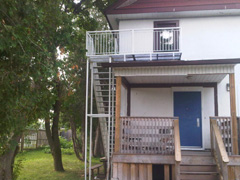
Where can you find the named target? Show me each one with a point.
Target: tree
(30, 33)
(74, 103)
(33, 79)
(24, 69)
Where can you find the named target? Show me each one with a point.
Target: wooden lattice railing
(225, 127)
(148, 135)
(218, 146)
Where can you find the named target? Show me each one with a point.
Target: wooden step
(199, 173)
(197, 160)
(198, 168)
(199, 176)
(197, 153)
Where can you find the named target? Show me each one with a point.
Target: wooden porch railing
(178, 155)
(225, 127)
(149, 135)
(218, 147)
(238, 120)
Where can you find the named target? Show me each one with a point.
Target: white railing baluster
(133, 41)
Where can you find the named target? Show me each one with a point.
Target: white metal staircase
(104, 91)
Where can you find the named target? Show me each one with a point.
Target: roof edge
(113, 5)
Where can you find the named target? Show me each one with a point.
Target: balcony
(135, 44)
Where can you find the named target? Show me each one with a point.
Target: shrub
(47, 150)
(18, 165)
(66, 147)
(67, 151)
(65, 143)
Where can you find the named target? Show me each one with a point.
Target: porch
(146, 143)
(148, 130)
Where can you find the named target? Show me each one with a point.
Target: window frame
(157, 46)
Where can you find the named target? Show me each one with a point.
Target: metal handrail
(90, 32)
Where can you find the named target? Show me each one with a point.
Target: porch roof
(169, 81)
(203, 71)
(172, 63)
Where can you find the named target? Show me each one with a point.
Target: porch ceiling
(175, 70)
(176, 79)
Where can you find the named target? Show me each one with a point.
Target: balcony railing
(148, 135)
(136, 41)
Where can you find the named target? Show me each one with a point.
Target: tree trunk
(76, 143)
(52, 136)
(7, 161)
(83, 137)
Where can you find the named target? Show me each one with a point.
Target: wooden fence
(147, 135)
(33, 139)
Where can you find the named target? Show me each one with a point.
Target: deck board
(145, 159)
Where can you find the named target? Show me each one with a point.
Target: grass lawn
(39, 165)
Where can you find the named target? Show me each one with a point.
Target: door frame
(192, 89)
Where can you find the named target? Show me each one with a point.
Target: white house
(167, 85)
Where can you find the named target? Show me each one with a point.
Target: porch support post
(216, 99)
(177, 170)
(129, 101)
(166, 172)
(117, 116)
(233, 113)
(127, 86)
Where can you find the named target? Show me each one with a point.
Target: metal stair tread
(101, 91)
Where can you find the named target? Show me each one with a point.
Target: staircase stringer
(100, 109)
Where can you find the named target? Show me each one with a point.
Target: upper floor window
(166, 36)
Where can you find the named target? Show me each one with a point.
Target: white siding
(237, 81)
(123, 111)
(223, 98)
(210, 38)
(201, 38)
(208, 111)
(150, 102)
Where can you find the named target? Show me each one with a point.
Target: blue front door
(187, 106)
